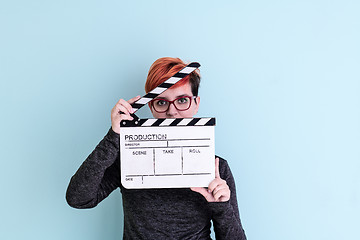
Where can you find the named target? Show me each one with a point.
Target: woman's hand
(218, 190)
(121, 111)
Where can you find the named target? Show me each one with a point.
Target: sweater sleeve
(225, 215)
(98, 175)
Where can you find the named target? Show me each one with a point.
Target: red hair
(164, 68)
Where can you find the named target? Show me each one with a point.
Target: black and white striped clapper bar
(167, 153)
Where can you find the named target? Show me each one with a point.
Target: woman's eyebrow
(161, 98)
(182, 95)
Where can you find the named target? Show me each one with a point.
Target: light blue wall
(282, 78)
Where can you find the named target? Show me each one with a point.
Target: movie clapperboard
(167, 153)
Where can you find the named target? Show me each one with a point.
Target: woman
(160, 213)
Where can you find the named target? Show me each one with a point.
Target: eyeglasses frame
(172, 102)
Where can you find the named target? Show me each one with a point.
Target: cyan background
(281, 77)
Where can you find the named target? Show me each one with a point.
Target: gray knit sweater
(154, 213)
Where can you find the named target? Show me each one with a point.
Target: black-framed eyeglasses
(161, 105)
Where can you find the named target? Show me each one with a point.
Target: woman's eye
(161, 102)
(183, 100)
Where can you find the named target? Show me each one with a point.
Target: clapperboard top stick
(163, 87)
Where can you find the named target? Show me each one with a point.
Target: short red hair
(164, 68)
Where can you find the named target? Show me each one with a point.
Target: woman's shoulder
(222, 161)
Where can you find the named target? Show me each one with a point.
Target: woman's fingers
(126, 106)
(122, 111)
(222, 195)
(215, 183)
(218, 191)
(221, 192)
(134, 99)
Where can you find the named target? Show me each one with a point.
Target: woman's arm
(98, 176)
(225, 215)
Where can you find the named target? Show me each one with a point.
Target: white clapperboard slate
(167, 153)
